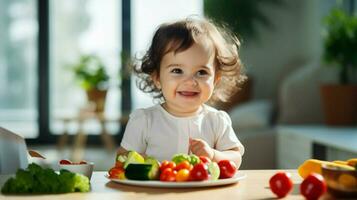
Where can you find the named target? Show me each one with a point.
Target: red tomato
(119, 164)
(168, 175)
(65, 162)
(114, 172)
(313, 186)
(183, 165)
(228, 169)
(167, 164)
(199, 172)
(281, 184)
(205, 159)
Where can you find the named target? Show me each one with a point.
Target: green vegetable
(138, 171)
(121, 158)
(155, 169)
(194, 159)
(133, 157)
(214, 171)
(178, 158)
(81, 183)
(35, 179)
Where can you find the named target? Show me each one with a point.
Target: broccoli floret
(9, 186)
(81, 183)
(35, 179)
(66, 180)
(46, 181)
(23, 181)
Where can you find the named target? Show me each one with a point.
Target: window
(80, 27)
(76, 27)
(18, 67)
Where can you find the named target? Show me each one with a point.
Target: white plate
(161, 184)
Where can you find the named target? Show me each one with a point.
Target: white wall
(293, 40)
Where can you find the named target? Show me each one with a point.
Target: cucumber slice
(214, 171)
(155, 169)
(138, 171)
(133, 157)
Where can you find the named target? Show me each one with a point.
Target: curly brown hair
(181, 35)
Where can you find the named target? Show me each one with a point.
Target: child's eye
(176, 71)
(202, 73)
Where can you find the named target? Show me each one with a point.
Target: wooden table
(255, 186)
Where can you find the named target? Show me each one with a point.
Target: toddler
(189, 63)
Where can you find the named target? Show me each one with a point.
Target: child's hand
(200, 148)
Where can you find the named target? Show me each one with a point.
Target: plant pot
(339, 104)
(97, 97)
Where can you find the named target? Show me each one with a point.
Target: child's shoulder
(213, 112)
(144, 112)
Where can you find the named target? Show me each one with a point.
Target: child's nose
(191, 80)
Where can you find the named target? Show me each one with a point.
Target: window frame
(45, 136)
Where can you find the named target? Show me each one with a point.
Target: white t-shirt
(155, 132)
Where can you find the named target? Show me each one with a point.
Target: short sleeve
(134, 135)
(226, 137)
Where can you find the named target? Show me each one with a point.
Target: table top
(254, 186)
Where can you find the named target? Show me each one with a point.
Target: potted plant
(340, 48)
(90, 72)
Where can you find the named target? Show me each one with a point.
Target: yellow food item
(309, 166)
(347, 180)
(121, 175)
(340, 162)
(352, 162)
(314, 165)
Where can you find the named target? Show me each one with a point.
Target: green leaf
(340, 42)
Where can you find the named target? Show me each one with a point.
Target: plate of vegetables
(183, 171)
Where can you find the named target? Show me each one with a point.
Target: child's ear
(155, 77)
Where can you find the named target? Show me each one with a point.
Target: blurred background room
(66, 87)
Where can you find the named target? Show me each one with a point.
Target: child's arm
(201, 148)
(123, 151)
(232, 154)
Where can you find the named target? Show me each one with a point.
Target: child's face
(187, 79)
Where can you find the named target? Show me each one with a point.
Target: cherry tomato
(119, 164)
(313, 186)
(199, 172)
(205, 159)
(183, 175)
(168, 175)
(183, 165)
(65, 162)
(281, 184)
(115, 172)
(227, 169)
(167, 164)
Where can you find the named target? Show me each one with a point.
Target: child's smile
(188, 94)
